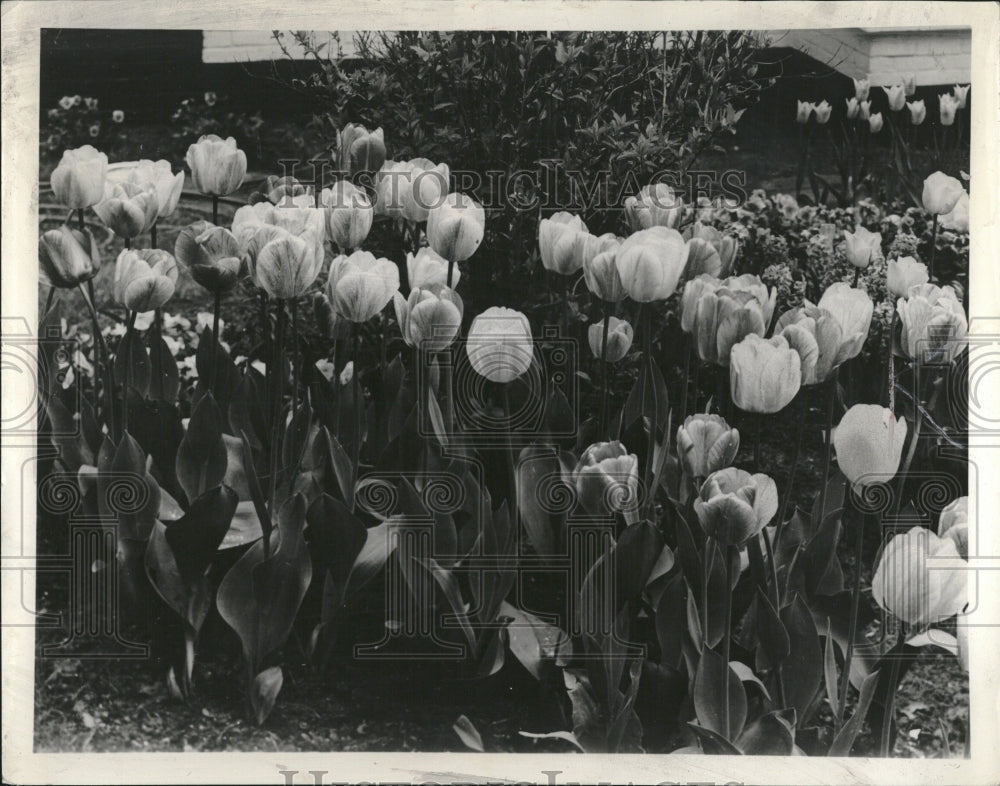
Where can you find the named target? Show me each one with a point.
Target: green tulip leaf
(131, 360)
(201, 458)
(713, 678)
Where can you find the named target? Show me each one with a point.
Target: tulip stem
(791, 478)
(212, 371)
(451, 268)
(128, 370)
(918, 405)
(727, 554)
(831, 401)
(511, 472)
(81, 224)
(358, 403)
(757, 417)
(279, 392)
(708, 559)
(686, 376)
(294, 305)
(152, 233)
(890, 698)
(605, 371)
(215, 210)
(930, 263)
(852, 627)
(128, 242)
(857, 276)
(890, 362)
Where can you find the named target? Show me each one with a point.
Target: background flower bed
(786, 243)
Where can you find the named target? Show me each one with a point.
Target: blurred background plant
(79, 120)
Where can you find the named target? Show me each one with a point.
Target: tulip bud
(217, 165)
(654, 205)
(764, 374)
(78, 180)
(803, 111)
(428, 268)
(286, 265)
(853, 107)
(68, 257)
(920, 579)
(359, 286)
(948, 105)
(934, 324)
(620, 335)
(144, 279)
(721, 313)
(154, 174)
(257, 225)
(941, 193)
(359, 150)
(423, 187)
(726, 246)
(904, 273)
(823, 110)
(861, 246)
(600, 267)
(733, 506)
(861, 88)
(279, 189)
(706, 444)
(561, 240)
(455, 228)
(127, 209)
(897, 97)
(650, 263)
(393, 178)
(958, 219)
(864, 110)
(430, 317)
(212, 255)
(875, 122)
(953, 523)
(817, 337)
(853, 309)
(961, 95)
(349, 215)
(499, 344)
(869, 443)
(918, 111)
(606, 479)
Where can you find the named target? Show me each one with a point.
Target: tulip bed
(684, 499)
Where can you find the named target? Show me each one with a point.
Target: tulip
(428, 268)
(217, 165)
(869, 444)
(853, 309)
(656, 205)
(360, 150)
(958, 219)
(734, 506)
(620, 335)
(875, 122)
(961, 95)
(727, 246)
(256, 225)
(948, 105)
(803, 111)
(941, 193)
(349, 214)
(864, 110)
(918, 111)
(157, 174)
(600, 267)
(934, 323)
(650, 263)
(278, 189)
(920, 579)
(144, 279)
(68, 257)
(910, 85)
(853, 107)
(128, 209)
(861, 88)
(430, 317)
(706, 444)
(718, 314)
(897, 97)
(606, 479)
(455, 228)
(823, 110)
(499, 344)
(422, 188)
(212, 255)
(393, 177)
(359, 286)
(286, 266)
(561, 240)
(816, 335)
(78, 181)
(764, 375)
(904, 273)
(953, 523)
(861, 246)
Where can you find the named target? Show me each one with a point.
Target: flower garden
(676, 473)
